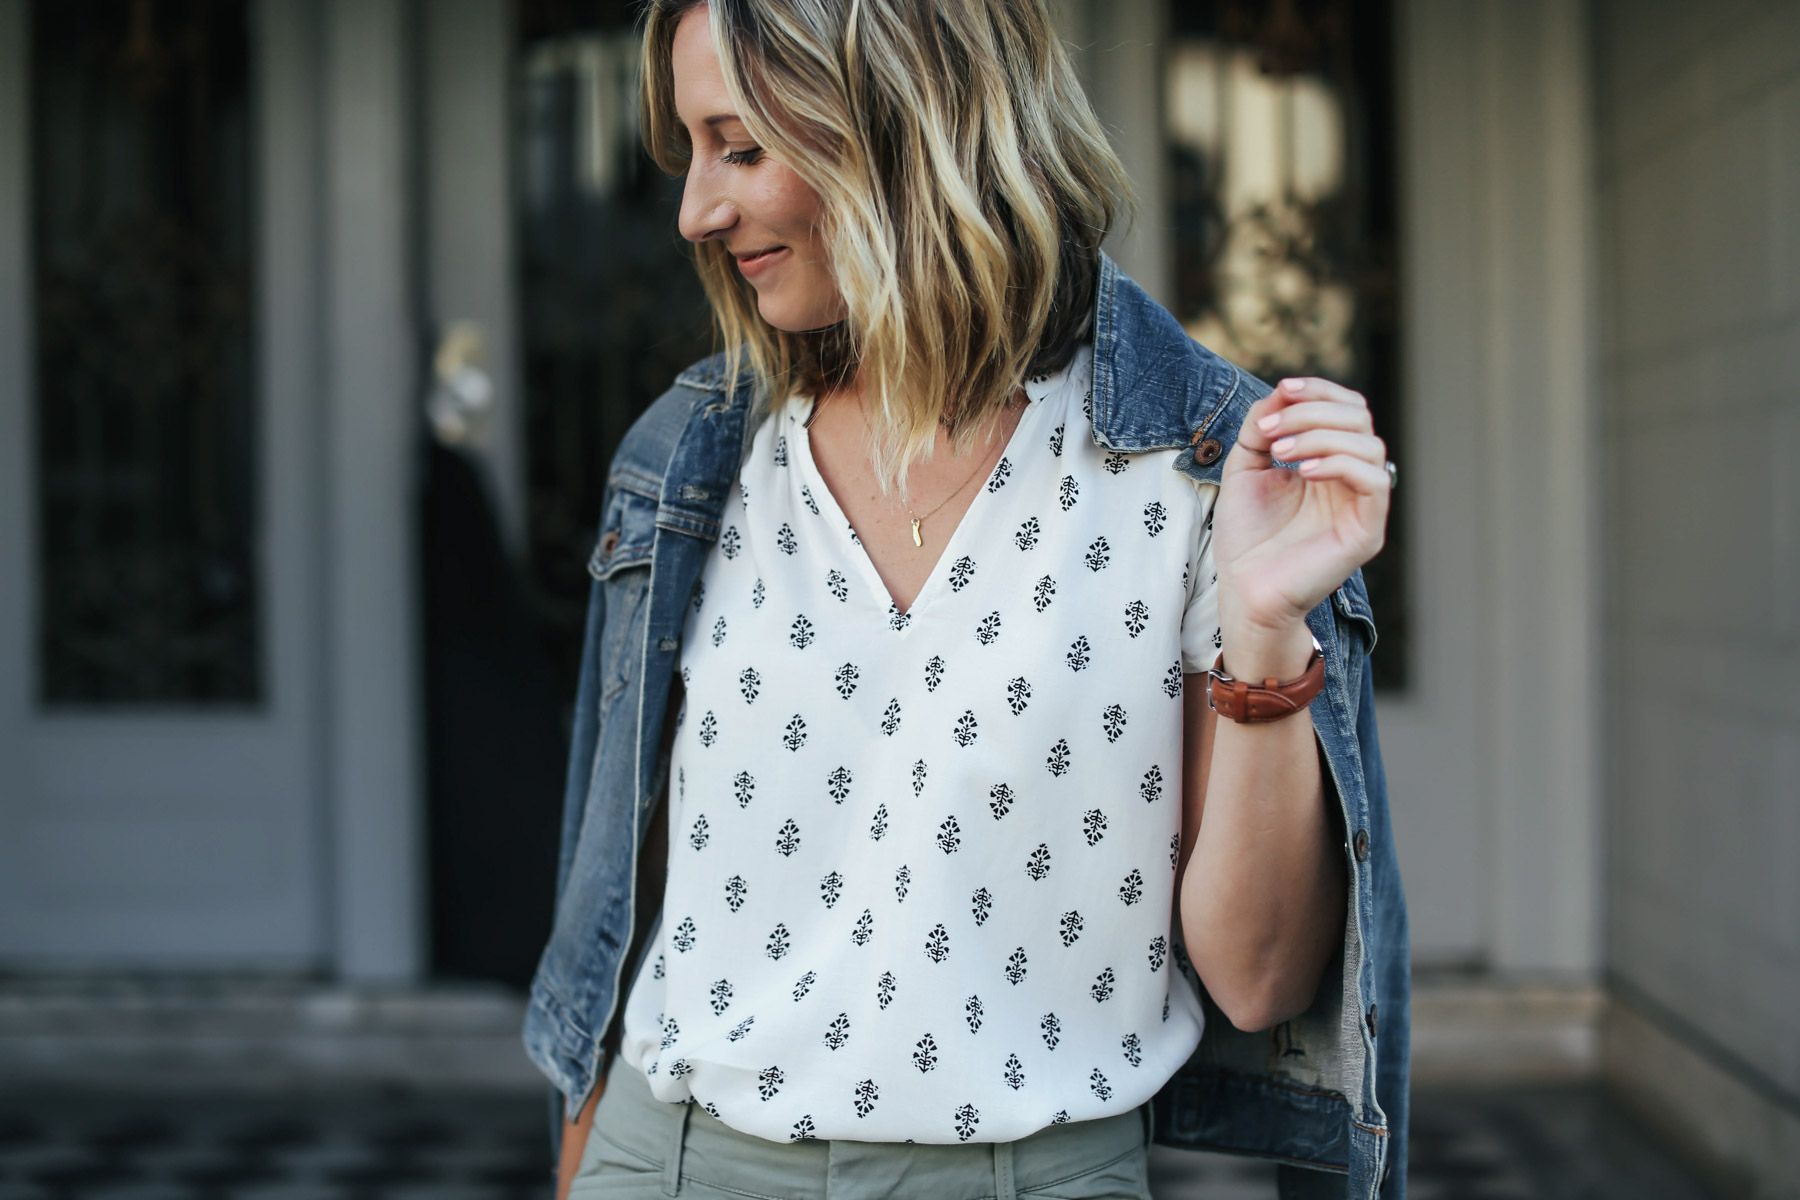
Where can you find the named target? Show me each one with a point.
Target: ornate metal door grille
(1281, 154)
(146, 480)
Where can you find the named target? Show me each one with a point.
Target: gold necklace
(917, 520)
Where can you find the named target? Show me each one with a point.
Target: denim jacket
(1324, 1095)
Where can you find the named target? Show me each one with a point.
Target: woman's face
(736, 194)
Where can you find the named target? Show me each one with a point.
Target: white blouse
(921, 865)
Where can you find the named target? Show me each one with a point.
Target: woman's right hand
(574, 1143)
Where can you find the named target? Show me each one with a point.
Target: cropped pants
(642, 1148)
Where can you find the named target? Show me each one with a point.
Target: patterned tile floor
(1491, 1144)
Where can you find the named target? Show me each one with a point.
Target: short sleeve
(1200, 619)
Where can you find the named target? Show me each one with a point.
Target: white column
(1502, 479)
(370, 402)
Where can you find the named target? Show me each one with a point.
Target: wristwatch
(1271, 700)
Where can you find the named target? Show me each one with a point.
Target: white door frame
(369, 400)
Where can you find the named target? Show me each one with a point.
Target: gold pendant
(917, 540)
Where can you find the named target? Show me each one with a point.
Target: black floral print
(967, 1118)
(981, 904)
(787, 838)
(1103, 985)
(1132, 890)
(1069, 926)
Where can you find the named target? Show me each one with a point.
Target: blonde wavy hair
(965, 187)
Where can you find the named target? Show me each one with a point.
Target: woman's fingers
(1310, 388)
(1316, 443)
(1314, 414)
(1361, 475)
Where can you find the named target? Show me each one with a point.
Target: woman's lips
(754, 264)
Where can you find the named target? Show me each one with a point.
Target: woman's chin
(797, 318)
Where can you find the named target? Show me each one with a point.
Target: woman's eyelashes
(741, 158)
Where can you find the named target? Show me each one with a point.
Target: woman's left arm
(1261, 885)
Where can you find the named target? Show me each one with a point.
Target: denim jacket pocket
(627, 529)
(621, 564)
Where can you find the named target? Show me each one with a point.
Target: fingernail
(1269, 423)
(1311, 464)
(1283, 445)
(1293, 385)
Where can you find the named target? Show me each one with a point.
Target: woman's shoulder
(649, 443)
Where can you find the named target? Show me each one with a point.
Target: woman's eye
(741, 158)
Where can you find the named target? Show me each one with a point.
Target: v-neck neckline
(828, 503)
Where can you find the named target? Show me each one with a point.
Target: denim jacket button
(609, 542)
(1207, 452)
(1361, 845)
(1370, 1017)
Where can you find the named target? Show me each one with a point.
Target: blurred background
(320, 320)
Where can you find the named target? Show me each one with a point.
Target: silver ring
(1393, 475)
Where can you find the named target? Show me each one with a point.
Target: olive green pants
(642, 1148)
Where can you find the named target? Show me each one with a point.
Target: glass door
(159, 755)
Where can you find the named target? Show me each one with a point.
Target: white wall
(1699, 138)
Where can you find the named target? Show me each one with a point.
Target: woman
(962, 866)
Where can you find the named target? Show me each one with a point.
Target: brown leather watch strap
(1254, 704)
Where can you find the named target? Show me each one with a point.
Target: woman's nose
(705, 211)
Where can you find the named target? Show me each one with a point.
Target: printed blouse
(921, 864)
